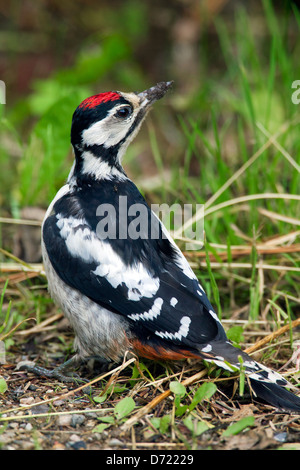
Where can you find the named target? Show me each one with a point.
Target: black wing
(148, 281)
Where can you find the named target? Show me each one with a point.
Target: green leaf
(236, 428)
(101, 427)
(204, 392)
(242, 377)
(196, 426)
(124, 407)
(107, 419)
(177, 388)
(3, 385)
(162, 423)
(235, 334)
(180, 409)
(100, 399)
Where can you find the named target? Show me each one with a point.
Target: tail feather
(265, 383)
(276, 395)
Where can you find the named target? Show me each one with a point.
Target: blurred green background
(53, 54)
(233, 63)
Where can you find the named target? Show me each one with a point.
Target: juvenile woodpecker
(126, 293)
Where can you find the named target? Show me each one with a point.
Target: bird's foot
(60, 373)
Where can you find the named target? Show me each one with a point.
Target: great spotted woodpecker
(123, 293)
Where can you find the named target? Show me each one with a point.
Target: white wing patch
(83, 243)
(182, 332)
(151, 314)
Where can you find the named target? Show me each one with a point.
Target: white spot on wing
(214, 315)
(173, 302)
(182, 332)
(183, 264)
(151, 314)
(207, 348)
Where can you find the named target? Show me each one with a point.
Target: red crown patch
(95, 100)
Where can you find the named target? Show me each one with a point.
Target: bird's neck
(96, 163)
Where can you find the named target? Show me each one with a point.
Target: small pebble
(77, 420)
(58, 446)
(75, 438)
(32, 388)
(115, 442)
(281, 436)
(64, 420)
(79, 445)
(26, 401)
(14, 425)
(58, 402)
(43, 408)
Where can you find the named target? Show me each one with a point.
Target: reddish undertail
(274, 393)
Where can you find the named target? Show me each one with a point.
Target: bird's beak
(154, 93)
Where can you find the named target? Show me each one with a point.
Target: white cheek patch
(109, 131)
(104, 133)
(82, 243)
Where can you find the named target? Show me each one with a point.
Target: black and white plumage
(120, 293)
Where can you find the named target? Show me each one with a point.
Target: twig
(278, 146)
(263, 250)
(53, 413)
(272, 336)
(40, 326)
(19, 267)
(274, 267)
(7, 220)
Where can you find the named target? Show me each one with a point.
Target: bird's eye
(124, 112)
